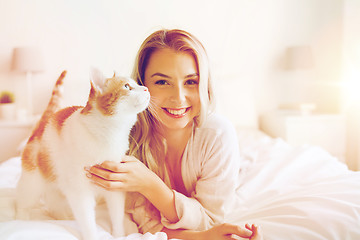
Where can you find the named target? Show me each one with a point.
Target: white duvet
(292, 193)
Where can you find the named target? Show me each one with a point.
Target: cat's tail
(56, 96)
(53, 106)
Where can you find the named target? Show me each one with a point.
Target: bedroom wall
(246, 42)
(351, 79)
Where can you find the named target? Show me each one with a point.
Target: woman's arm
(133, 176)
(219, 232)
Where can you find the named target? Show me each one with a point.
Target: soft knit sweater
(210, 171)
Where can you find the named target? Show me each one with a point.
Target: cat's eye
(127, 86)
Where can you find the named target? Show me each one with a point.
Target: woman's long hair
(145, 142)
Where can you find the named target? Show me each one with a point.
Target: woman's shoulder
(216, 124)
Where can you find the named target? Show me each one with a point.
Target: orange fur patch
(87, 109)
(115, 90)
(45, 167)
(39, 129)
(61, 116)
(40, 161)
(27, 159)
(56, 96)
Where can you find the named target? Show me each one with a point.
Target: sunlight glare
(352, 86)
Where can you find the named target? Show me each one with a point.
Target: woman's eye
(161, 82)
(192, 82)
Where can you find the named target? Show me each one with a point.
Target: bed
(291, 192)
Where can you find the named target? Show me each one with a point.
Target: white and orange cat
(67, 140)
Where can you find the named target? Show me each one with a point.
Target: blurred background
(265, 55)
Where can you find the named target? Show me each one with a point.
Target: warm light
(352, 76)
(352, 86)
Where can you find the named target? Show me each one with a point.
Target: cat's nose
(146, 89)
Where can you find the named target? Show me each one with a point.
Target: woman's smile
(176, 112)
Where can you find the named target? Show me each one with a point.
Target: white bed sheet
(292, 193)
(297, 192)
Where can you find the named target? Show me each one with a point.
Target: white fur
(85, 140)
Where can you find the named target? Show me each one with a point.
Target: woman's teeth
(176, 112)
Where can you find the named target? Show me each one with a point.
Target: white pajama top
(210, 171)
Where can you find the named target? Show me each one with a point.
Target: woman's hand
(230, 231)
(224, 231)
(130, 175)
(256, 232)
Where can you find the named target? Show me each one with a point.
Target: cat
(67, 140)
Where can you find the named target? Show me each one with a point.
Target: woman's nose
(179, 94)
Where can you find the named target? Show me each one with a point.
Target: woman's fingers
(252, 232)
(242, 232)
(117, 167)
(229, 229)
(103, 173)
(257, 235)
(128, 158)
(109, 185)
(103, 177)
(256, 230)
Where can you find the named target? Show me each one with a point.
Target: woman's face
(173, 81)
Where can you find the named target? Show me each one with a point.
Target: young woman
(183, 165)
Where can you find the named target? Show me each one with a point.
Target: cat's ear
(97, 79)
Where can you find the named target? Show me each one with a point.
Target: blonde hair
(145, 144)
